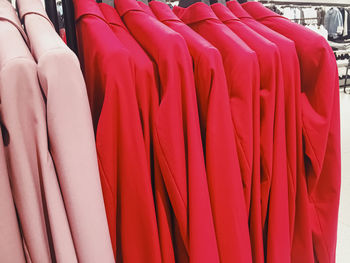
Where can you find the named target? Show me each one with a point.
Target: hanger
(187, 3)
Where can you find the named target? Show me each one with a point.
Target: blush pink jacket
(70, 133)
(35, 190)
(11, 248)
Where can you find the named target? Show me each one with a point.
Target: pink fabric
(11, 248)
(35, 189)
(71, 138)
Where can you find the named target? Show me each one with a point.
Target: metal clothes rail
(308, 2)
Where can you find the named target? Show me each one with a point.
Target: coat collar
(36, 7)
(111, 15)
(237, 9)
(195, 13)
(163, 11)
(223, 13)
(8, 13)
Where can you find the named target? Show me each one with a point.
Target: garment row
(337, 22)
(216, 134)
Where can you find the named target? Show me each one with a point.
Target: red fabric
(146, 86)
(201, 19)
(272, 146)
(145, 73)
(173, 247)
(215, 116)
(178, 144)
(242, 73)
(321, 131)
(109, 73)
(291, 77)
(146, 8)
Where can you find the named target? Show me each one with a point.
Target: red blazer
(272, 125)
(291, 77)
(125, 174)
(241, 80)
(321, 131)
(215, 116)
(178, 144)
(242, 74)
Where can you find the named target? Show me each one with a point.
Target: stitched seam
(18, 27)
(63, 50)
(6, 62)
(91, 15)
(37, 14)
(202, 19)
(117, 25)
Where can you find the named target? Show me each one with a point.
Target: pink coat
(71, 136)
(32, 174)
(11, 248)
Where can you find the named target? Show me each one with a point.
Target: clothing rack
(307, 3)
(69, 19)
(301, 5)
(345, 85)
(308, 18)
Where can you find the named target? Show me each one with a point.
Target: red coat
(241, 80)
(125, 175)
(242, 73)
(291, 80)
(178, 144)
(215, 114)
(271, 126)
(321, 133)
